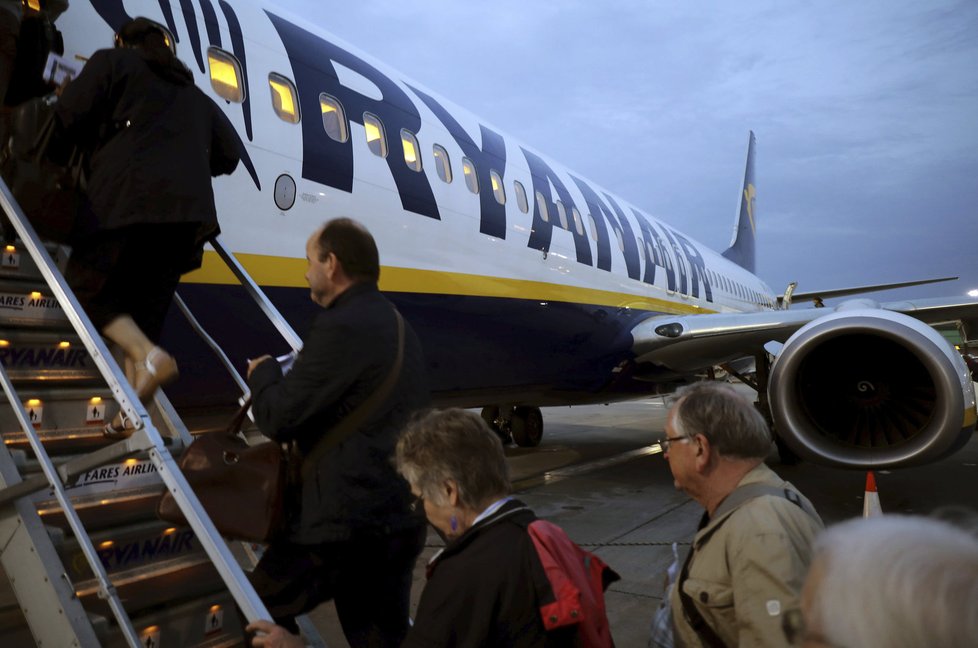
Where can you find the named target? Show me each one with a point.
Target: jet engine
(871, 388)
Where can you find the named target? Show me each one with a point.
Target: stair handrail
(207, 534)
(257, 294)
(260, 298)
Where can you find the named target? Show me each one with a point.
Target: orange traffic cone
(871, 501)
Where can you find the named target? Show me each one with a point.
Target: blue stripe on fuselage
(511, 350)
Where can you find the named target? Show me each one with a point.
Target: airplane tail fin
(741, 250)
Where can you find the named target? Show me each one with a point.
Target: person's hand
(257, 361)
(275, 636)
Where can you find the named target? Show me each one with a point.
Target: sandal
(158, 369)
(121, 427)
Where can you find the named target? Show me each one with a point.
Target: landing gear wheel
(527, 426)
(490, 414)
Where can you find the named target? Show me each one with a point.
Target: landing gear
(490, 414)
(527, 426)
(522, 425)
(763, 368)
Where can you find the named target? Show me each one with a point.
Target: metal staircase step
(162, 582)
(127, 548)
(209, 621)
(54, 408)
(17, 264)
(103, 510)
(46, 357)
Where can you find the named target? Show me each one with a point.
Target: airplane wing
(818, 296)
(688, 343)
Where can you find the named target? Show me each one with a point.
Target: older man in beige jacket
(754, 543)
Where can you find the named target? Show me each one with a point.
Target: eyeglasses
(417, 502)
(665, 443)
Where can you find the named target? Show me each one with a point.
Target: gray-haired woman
(504, 578)
(494, 583)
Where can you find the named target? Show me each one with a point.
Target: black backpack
(46, 177)
(38, 37)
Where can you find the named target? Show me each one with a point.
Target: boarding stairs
(85, 561)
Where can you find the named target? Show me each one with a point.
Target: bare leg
(147, 366)
(127, 334)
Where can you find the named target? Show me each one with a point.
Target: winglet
(741, 250)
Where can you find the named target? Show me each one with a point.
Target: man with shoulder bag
(754, 544)
(353, 536)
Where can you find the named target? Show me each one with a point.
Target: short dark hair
(353, 246)
(724, 416)
(453, 444)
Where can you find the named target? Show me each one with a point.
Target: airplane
(527, 284)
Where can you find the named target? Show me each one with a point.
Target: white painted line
(552, 476)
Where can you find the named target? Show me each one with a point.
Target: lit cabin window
(521, 196)
(497, 187)
(284, 98)
(594, 226)
(621, 241)
(225, 75)
(334, 118)
(468, 170)
(442, 163)
(562, 215)
(542, 206)
(376, 141)
(578, 223)
(410, 144)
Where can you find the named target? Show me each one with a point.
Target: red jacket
(578, 579)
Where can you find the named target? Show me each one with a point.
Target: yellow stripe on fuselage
(286, 272)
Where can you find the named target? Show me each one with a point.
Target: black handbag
(48, 183)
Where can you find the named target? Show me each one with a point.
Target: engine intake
(871, 388)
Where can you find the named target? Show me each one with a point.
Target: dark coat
(346, 355)
(486, 588)
(155, 138)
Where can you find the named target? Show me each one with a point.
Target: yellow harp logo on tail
(749, 194)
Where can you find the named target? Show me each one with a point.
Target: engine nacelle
(870, 388)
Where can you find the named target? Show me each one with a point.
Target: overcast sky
(866, 115)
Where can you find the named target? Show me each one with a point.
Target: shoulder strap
(352, 421)
(739, 496)
(749, 491)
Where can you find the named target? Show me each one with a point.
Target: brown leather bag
(241, 487)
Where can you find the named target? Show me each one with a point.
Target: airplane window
(542, 206)
(651, 251)
(497, 187)
(578, 223)
(621, 241)
(521, 196)
(284, 98)
(562, 215)
(334, 118)
(376, 140)
(410, 144)
(225, 75)
(471, 180)
(594, 227)
(442, 163)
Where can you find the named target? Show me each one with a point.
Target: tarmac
(598, 474)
